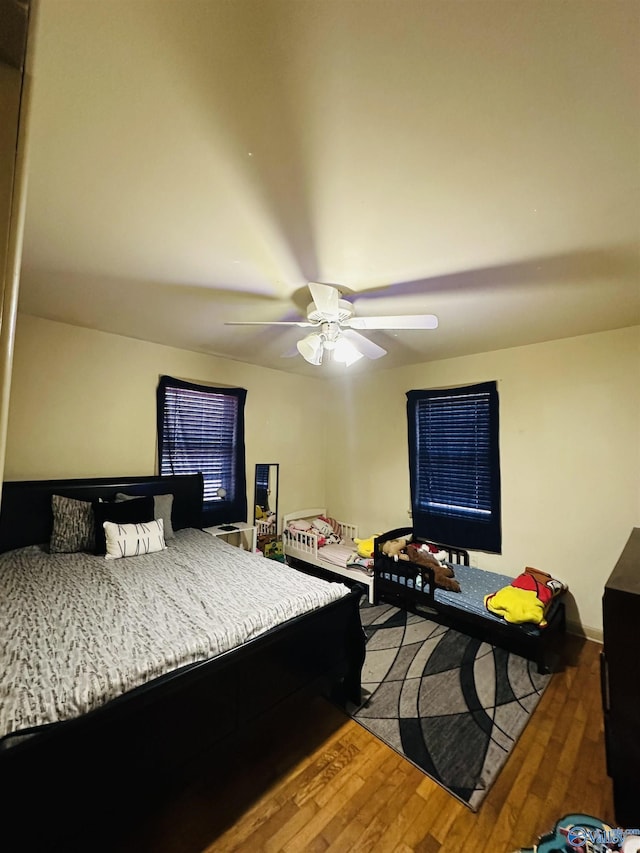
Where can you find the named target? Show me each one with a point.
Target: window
(202, 429)
(454, 465)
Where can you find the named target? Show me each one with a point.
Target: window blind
(201, 429)
(454, 465)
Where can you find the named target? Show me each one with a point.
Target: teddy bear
(395, 548)
(443, 576)
(365, 546)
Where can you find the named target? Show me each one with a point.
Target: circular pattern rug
(451, 704)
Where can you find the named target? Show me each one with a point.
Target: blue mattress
(475, 584)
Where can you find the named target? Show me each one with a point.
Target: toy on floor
(527, 598)
(575, 832)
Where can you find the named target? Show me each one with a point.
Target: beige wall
(570, 454)
(83, 404)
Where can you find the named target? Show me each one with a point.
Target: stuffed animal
(365, 546)
(443, 576)
(395, 548)
(434, 551)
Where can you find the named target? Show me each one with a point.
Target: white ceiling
(196, 161)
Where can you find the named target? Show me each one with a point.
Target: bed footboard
(91, 769)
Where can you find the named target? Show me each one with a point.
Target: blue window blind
(454, 466)
(201, 429)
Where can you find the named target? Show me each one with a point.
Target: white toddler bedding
(339, 555)
(79, 630)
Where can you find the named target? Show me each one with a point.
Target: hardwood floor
(317, 781)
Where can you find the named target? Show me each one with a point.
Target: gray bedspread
(78, 630)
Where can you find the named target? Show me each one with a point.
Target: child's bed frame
(412, 587)
(302, 548)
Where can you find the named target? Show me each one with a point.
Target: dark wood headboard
(26, 517)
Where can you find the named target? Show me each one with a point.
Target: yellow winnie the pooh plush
(365, 546)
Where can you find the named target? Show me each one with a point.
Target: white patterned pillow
(132, 540)
(322, 526)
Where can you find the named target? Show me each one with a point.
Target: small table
(238, 527)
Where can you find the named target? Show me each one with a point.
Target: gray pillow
(73, 525)
(162, 505)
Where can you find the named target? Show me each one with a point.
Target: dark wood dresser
(621, 681)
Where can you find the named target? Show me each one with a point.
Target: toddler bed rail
(306, 542)
(302, 547)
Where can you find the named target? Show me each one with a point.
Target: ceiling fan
(334, 323)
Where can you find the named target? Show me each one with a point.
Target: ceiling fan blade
(326, 299)
(269, 323)
(364, 345)
(402, 321)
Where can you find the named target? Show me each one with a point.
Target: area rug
(581, 832)
(452, 705)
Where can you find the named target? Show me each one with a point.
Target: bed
(412, 588)
(303, 548)
(82, 748)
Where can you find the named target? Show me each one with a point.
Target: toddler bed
(305, 543)
(412, 587)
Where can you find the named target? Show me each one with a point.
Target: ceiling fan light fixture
(310, 348)
(336, 328)
(346, 352)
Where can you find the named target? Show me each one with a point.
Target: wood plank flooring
(317, 781)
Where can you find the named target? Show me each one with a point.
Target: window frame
(451, 518)
(216, 509)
